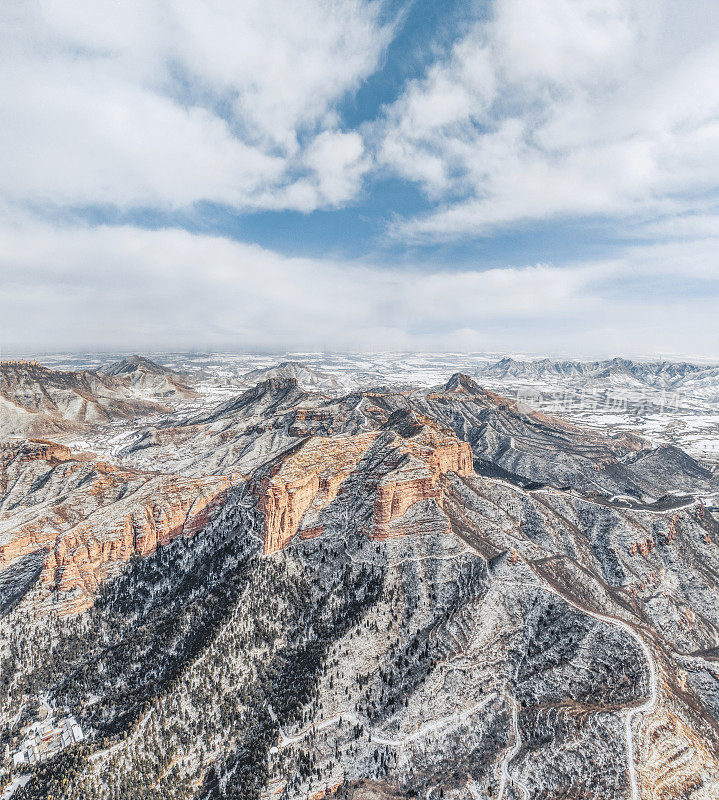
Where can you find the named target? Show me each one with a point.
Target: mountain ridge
(386, 592)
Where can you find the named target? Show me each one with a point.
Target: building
(43, 739)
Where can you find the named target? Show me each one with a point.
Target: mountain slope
(535, 448)
(82, 519)
(643, 379)
(305, 376)
(396, 594)
(38, 400)
(448, 660)
(149, 379)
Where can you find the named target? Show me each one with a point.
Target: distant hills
(692, 378)
(36, 400)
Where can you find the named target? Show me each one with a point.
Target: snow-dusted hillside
(421, 585)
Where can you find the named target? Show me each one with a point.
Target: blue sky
(361, 174)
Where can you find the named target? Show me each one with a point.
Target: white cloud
(121, 287)
(550, 109)
(563, 108)
(335, 164)
(168, 102)
(689, 226)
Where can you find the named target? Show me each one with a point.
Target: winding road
(424, 730)
(629, 714)
(504, 766)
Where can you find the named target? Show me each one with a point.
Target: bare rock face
(309, 477)
(81, 560)
(424, 454)
(409, 467)
(87, 516)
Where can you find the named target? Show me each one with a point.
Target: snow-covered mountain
(692, 379)
(419, 589)
(305, 376)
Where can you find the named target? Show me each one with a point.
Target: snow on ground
(662, 414)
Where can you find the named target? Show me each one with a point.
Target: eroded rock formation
(308, 477)
(409, 465)
(88, 516)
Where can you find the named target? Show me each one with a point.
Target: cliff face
(427, 453)
(309, 477)
(400, 471)
(88, 517)
(408, 485)
(84, 557)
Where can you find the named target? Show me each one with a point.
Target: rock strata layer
(408, 471)
(87, 516)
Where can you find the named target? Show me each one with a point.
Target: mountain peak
(305, 375)
(459, 382)
(136, 363)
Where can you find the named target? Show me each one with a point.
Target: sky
(534, 176)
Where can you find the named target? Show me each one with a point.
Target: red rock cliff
(430, 453)
(308, 479)
(80, 561)
(88, 516)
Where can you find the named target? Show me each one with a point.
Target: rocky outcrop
(84, 557)
(89, 517)
(427, 453)
(22, 451)
(307, 479)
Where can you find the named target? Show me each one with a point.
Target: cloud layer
(139, 289)
(166, 103)
(538, 114)
(563, 108)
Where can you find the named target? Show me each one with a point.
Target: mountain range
(698, 381)
(310, 590)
